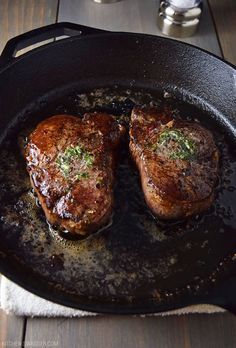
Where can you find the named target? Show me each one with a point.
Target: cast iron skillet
(137, 264)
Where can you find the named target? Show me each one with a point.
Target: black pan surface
(137, 263)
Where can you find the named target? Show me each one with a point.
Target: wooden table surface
(217, 33)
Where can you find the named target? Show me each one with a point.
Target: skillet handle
(41, 34)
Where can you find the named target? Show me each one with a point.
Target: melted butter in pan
(135, 255)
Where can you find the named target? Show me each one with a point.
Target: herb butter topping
(184, 147)
(66, 161)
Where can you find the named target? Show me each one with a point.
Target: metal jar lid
(178, 22)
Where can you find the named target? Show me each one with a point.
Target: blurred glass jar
(179, 18)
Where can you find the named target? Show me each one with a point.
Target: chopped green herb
(89, 159)
(186, 148)
(65, 167)
(83, 175)
(71, 153)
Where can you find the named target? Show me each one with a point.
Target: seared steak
(71, 166)
(177, 161)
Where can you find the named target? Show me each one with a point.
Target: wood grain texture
(224, 14)
(211, 331)
(110, 331)
(190, 331)
(16, 17)
(187, 331)
(133, 16)
(11, 329)
(19, 16)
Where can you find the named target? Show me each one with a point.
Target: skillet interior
(137, 264)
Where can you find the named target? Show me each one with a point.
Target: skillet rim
(82, 36)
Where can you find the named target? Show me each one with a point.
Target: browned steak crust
(71, 166)
(177, 161)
